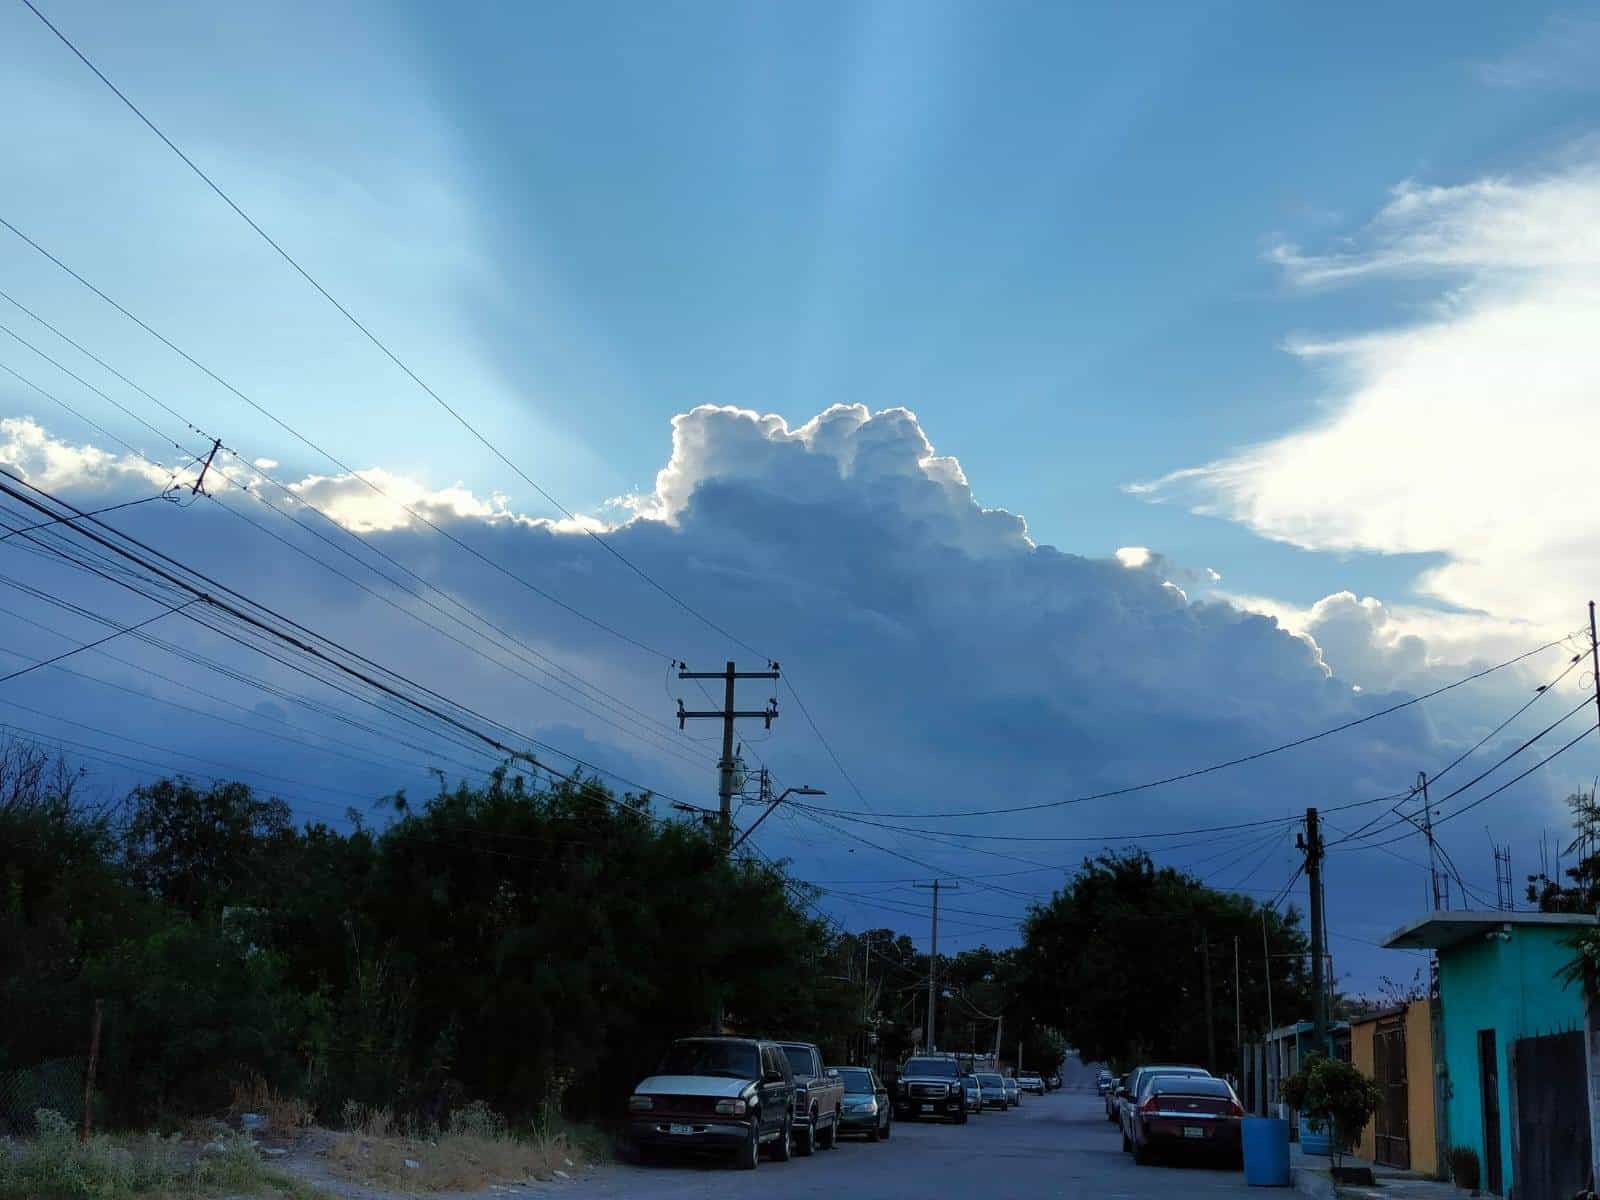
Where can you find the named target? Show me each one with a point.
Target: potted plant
(1333, 1095)
(1464, 1168)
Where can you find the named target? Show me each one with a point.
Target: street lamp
(794, 791)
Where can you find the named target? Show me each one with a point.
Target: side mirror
(772, 1077)
(832, 1072)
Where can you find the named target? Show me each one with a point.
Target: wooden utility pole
(1311, 843)
(200, 479)
(88, 1079)
(1211, 1024)
(933, 955)
(1238, 1012)
(727, 714)
(1594, 657)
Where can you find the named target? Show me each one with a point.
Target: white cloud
(1451, 435)
(31, 452)
(267, 464)
(1133, 556)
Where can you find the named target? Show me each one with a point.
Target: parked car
(866, 1103)
(974, 1092)
(1119, 1085)
(1185, 1114)
(1104, 1082)
(930, 1086)
(1053, 1081)
(717, 1093)
(1013, 1091)
(818, 1100)
(992, 1090)
(1031, 1081)
(1139, 1080)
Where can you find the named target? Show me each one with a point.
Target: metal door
(1391, 1123)
(1552, 1160)
(1489, 1094)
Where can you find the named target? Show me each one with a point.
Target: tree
(1580, 893)
(1114, 961)
(1333, 1095)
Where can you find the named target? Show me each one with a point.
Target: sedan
(866, 1104)
(1013, 1092)
(1031, 1081)
(993, 1090)
(974, 1093)
(1187, 1115)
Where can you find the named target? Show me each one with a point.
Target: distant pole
(1594, 657)
(1238, 1010)
(1266, 966)
(1211, 1024)
(88, 1079)
(1311, 843)
(933, 955)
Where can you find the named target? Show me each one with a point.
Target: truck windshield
(943, 1068)
(736, 1060)
(799, 1059)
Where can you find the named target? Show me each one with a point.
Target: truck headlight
(640, 1103)
(731, 1108)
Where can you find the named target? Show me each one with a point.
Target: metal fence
(56, 1084)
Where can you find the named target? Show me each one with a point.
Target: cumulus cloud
(951, 661)
(31, 452)
(1447, 434)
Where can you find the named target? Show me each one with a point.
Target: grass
(55, 1166)
(285, 1116)
(475, 1150)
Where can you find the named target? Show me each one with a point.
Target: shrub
(1333, 1094)
(1464, 1168)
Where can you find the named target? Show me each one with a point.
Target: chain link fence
(55, 1084)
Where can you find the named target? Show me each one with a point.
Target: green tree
(1114, 961)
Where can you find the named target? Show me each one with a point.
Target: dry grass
(285, 1115)
(475, 1151)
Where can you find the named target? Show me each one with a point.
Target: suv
(931, 1086)
(818, 1098)
(716, 1093)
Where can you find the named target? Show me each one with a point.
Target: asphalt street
(1058, 1145)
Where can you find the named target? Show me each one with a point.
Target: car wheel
(888, 1124)
(749, 1154)
(783, 1148)
(1127, 1146)
(806, 1139)
(961, 1117)
(831, 1140)
(1141, 1154)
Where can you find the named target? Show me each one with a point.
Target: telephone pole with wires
(1594, 657)
(933, 954)
(727, 714)
(1311, 843)
(1438, 881)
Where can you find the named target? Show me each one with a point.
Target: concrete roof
(1441, 930)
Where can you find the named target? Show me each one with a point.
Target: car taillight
(1150, 1106)
(1234, 1109)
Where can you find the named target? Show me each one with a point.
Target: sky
(1067, 397)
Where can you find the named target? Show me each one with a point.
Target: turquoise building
(1512, 1054)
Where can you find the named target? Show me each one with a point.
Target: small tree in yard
(1333, 1095)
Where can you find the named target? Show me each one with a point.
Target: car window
(737, 1060)
(1189, 1085)
(1150, 1079)
(800, 1059)
(931, 1066)
(857, 1079)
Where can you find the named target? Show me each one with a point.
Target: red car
(1188, 1115)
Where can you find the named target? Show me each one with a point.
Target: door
(1489, 1094)
(1391, 1123)
(775, 1094)
(1552, 1159)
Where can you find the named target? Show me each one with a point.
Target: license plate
(1193, 1131)
(927, 1108)
(680, 1128)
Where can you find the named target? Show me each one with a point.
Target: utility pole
(1238, 1012)
(1266, 966)
(727, 714)
(1311, 843)
(1594, 656)
(1211, 1024)
(216, 444)
(1438, 881)
(933, 955)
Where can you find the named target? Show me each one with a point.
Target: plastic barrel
(1266, 1151)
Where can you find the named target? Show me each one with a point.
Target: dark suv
(717, 1093)
(931, 1086)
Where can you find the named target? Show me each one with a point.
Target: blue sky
(1089, 246)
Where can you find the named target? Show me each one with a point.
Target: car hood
(693, 1085)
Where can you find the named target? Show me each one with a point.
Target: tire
(831, 1140)
(962, 1118)
(806, 1139)
(1141, 1154)
(748, 1156)
(875, 1134)
(783, 1148)
(1127, 1146)
(888, 1126)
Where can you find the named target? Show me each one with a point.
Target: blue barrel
(1266, 1151)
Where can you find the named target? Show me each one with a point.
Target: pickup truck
(716, 1093)
(931, 1086)
(818, 1098)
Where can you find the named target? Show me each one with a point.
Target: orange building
(1395, 1048)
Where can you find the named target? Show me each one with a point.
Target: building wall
(1510, 987)
(1419, 1084)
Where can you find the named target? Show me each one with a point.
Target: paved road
(1058, 1145)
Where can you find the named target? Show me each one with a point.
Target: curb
(1313, 1183)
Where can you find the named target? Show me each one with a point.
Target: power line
(382, 346)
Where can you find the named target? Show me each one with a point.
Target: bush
(1332, 1093)
(1464, 1168)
